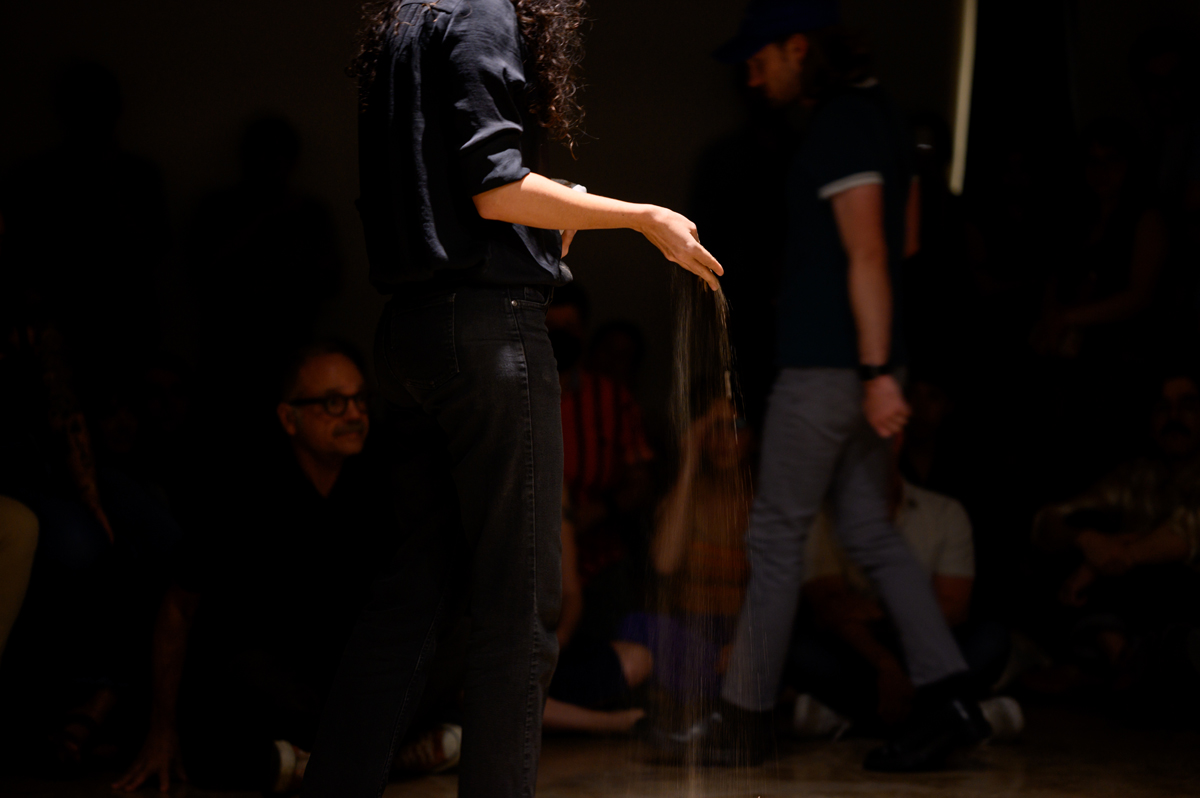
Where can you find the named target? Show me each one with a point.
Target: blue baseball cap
(770, 20)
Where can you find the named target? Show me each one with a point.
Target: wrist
(870, 372)
(643, 217)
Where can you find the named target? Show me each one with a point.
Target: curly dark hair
(552, 31)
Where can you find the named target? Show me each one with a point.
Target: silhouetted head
(1175, 420)
(87, 101)
(270, 150)
(323, 406)
(796, 50)
(567, 319)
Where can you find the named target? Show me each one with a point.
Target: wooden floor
(1062, 754)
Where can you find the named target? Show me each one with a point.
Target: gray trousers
(816, 442)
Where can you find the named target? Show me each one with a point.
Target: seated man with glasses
(274, 573)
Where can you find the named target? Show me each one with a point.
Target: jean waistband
(418, 294)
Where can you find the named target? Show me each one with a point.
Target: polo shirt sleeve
(845, 152)
(486, 77)
(957, 555)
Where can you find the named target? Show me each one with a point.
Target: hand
(160, 754)
(567, 237)
(1106, 554)
(895, 692)
(1072, 592)
(677, 239)
(884, 405)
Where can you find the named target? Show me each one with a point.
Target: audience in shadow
(86, 228)
(263, 262)
(1123, 555)
(275, 567)
(607, 473)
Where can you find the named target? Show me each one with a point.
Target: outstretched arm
(536, 201)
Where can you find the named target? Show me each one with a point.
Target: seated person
(1131, 545)
(1149, 509)
(250, 633)
(100, 539)
(593, 675)
(18, 542)
(606, 470)
(846, 656)
(699, 556)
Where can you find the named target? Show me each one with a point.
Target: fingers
(705, 259)
(705, 274)
(889, 425)
(133, 779)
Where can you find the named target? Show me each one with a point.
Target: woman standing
(463, 233)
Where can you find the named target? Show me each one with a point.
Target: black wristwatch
(868, 373)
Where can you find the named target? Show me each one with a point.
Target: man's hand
(677, 239)
(1107, 554)
(884, 405)
(895, 692)
(160, 754)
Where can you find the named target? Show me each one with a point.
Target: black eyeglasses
(336, 404)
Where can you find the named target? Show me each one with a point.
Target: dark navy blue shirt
(857, 138)
(446, 118)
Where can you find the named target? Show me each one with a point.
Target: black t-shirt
(280, 568)
(444, 119)
(857, 138)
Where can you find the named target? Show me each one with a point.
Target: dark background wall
(193, 73)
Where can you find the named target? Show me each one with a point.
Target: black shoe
(934, 732)
(728, 737)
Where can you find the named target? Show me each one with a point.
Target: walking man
(837, 398)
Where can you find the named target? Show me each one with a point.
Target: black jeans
(472, 378)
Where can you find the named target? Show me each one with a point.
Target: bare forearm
(671, 536)
(536, 201)
(859, 216)
(169, 652)
(1124, 305)
(871, 302)
(1162, 546)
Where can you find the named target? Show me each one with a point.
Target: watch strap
(868, 373)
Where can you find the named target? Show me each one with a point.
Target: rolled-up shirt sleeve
(487, 80)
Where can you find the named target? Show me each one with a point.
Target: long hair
(553, 37)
